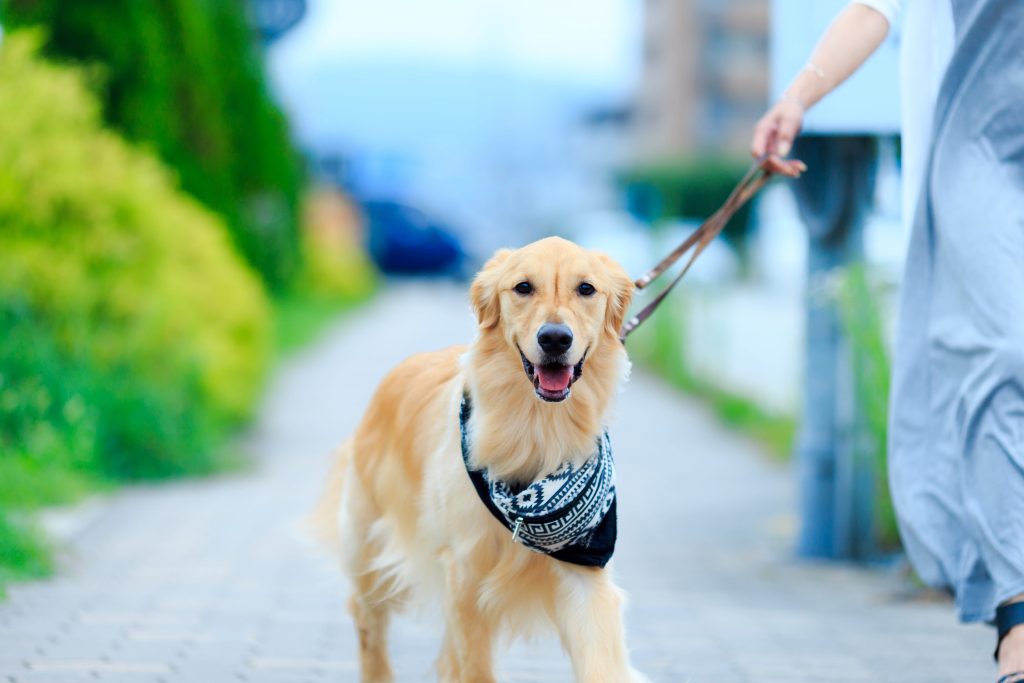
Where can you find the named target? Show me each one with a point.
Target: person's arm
(846, 44)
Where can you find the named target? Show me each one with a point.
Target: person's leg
(978, 356)
(969, 340)
(924, 457)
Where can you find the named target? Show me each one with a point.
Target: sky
(586, 40)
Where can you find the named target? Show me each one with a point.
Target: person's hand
(774, 134)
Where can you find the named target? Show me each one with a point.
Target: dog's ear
(620, 296)
(483, 293)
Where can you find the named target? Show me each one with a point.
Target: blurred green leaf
(186, 79)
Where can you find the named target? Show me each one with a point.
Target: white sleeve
(892, 10)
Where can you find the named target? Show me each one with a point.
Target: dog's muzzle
(552, 380)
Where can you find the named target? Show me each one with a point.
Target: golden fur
(400, 507)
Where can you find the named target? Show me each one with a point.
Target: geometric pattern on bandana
(556, 511)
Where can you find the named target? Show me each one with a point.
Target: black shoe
(1008, 616)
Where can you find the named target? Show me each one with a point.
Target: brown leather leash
(755, 178)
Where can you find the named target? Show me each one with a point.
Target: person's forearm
(847, 43)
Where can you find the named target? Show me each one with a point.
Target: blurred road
(212, 581)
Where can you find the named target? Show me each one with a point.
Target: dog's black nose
(554, 339)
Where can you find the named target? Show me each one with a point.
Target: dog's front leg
(588, 614)
(467, 649)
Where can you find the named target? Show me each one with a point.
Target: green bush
(186, 78)
(133, 333)
(48, 424)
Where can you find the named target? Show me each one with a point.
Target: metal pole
(833, 199)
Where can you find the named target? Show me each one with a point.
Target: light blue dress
(957, 404)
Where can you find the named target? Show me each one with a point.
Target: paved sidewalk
(213, 582)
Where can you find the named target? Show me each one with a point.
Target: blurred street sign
(867, 103)
(274, 18)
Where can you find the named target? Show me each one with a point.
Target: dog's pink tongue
(554, 379)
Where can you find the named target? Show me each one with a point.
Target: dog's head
(553, 304)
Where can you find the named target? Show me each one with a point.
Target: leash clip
(515, 529)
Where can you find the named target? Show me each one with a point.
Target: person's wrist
(788, 98)
(806, 89)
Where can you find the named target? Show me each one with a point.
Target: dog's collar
(569, 514)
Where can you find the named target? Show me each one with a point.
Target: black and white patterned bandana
(569, 514)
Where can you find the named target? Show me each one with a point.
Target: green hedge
(185, 77)
(133, 334)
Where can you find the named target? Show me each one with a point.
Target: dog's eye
(523, 288)
(586, 289)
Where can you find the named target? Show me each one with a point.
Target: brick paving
(213, 581)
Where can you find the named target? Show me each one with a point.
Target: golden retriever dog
(400, 507)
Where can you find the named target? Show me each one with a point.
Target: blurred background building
(704, 78)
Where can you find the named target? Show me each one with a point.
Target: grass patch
(776, 432)
(300, 319)
(660, 346)
(23, 552)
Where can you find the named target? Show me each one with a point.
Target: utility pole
(836, 495)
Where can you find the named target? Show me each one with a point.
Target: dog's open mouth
(552, 381)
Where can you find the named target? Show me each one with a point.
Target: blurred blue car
(405, 241)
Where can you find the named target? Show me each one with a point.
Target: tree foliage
(185, 77)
